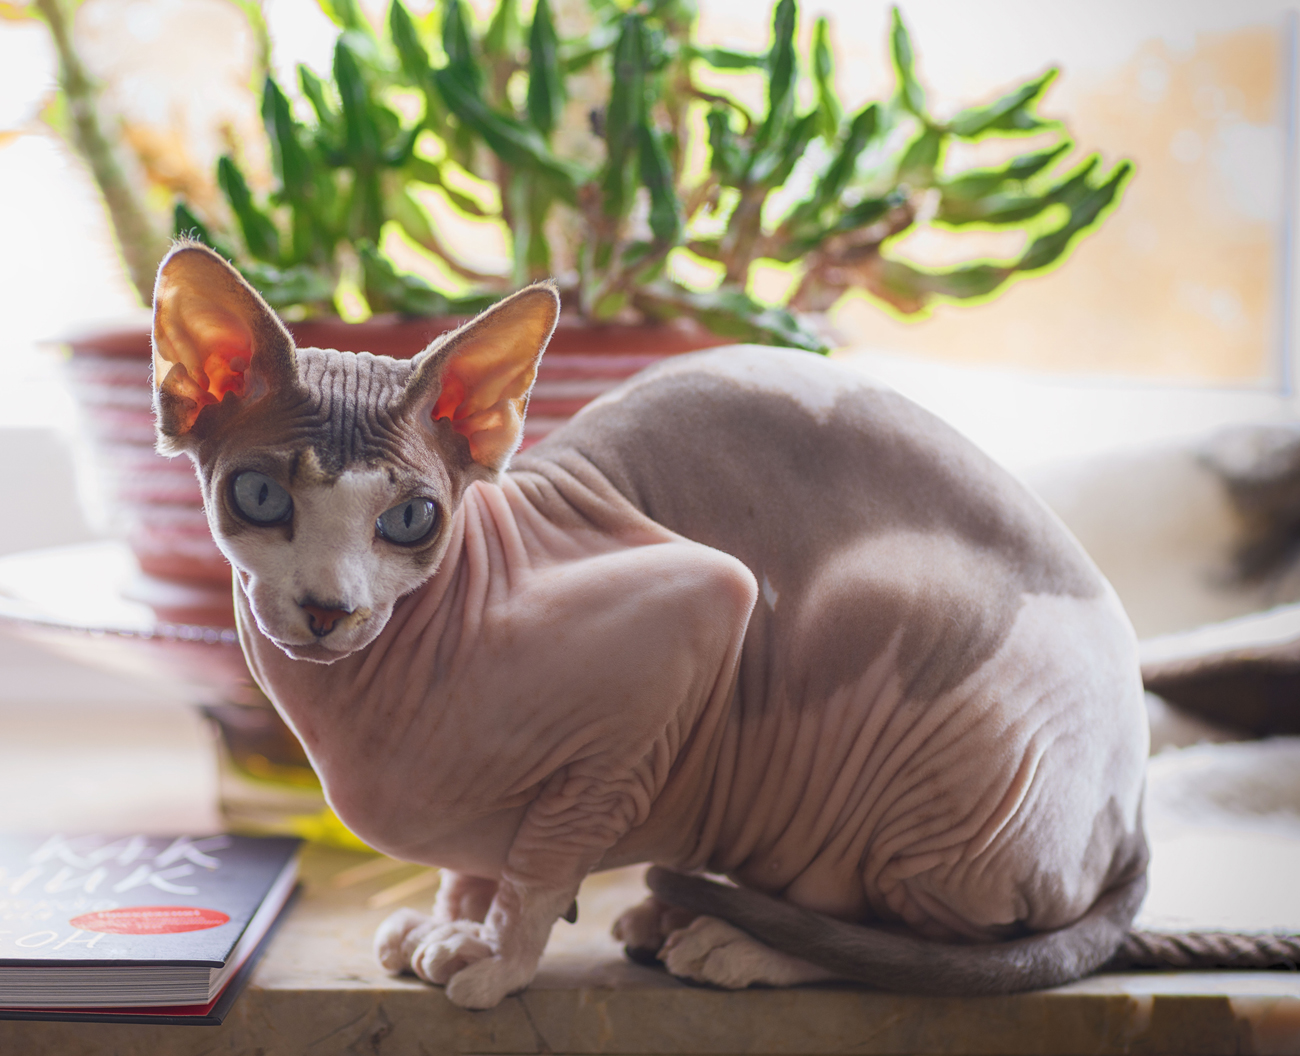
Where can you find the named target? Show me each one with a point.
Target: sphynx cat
(748, 614)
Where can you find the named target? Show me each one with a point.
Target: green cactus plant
(479, 113)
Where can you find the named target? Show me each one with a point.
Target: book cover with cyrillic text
(129, 921)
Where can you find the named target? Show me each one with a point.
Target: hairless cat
(749, 614)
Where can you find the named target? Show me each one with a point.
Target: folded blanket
(1243, 674)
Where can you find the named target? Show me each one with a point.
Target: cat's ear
(212, 335)
(478, 377)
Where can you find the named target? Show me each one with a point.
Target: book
(211, 1014)
(123, 927)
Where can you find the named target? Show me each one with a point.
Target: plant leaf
(731, 313)
(823, 69)
(538, 205)
(909, 288)
(862, 214)
(727, 59)
(1019, 122)
(530, 200)
(708, 248)
(402, 148)
(910, 92)
(726, 157)
(623, 115)
(425, 171)
(186, 225)
(365, 215)
(260, 235)
(513, 142)
(360, 135)
(365, 46)
(411, 52)
(504, 35)
(1010, 208)
(314, 89)
(304, 186)
(666, 222)
(782, 70)
(862, 129)
(288, 158)
(993, 209)
(977, 183)
(773, 167)
(1087, 206)
(343, 13)
(868, 211)
(545, 85)
(921, 159)
(388, 290)
(406, 211)
(1001, 115)
(289, 287)
(361, 128)
(458, 46)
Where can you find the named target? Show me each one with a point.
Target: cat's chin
(315, 652)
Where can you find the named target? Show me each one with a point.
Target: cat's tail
(908, 964)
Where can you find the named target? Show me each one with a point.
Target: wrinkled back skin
(785, 482)
(748, 613)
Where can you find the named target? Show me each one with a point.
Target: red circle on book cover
(150, 920)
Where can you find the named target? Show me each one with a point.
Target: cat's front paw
(460, 955)
(432, 949)
(397, 937)
(711, 951)
(446, 949)
(486, 983)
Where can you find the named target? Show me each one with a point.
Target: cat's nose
(322, 618)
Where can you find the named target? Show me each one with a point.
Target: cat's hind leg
(643, 928)
(712, 951)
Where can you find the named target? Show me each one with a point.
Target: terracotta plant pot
(154, 502)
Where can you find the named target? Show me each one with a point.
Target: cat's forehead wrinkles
(347, 413)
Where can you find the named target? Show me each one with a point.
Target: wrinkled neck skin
(536, 659)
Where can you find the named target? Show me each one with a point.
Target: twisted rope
(1205, 949)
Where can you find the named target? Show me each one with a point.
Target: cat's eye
(261, 499)
(408, 523)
